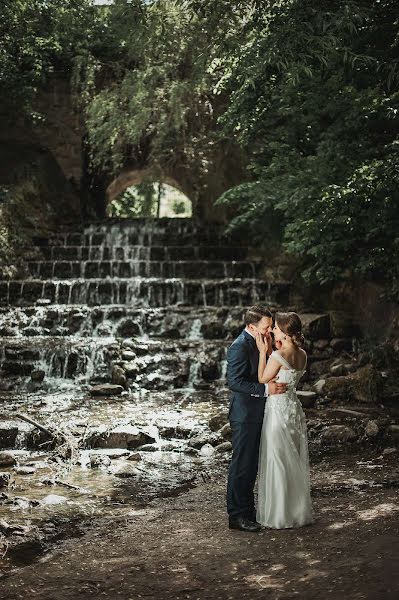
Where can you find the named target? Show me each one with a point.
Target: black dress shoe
(243, 524)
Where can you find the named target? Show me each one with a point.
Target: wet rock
(307, 399)
(4, 479)
(388, 452)
(319, 368)
(342, 324)
(224, 447)
(338, 388)
(124, 436)
(171, 327)
(126, 471)
(106, 389)
(128, 328)
(341, 344)
(372, 429)
(99, 460)
(131, 369)
(393, 431)
(7, 459)
(37, 375)
(207, 450)
(319, 386)
(233, 326)
(337, 370)
(213, 329)
(8, 434)
(316, 326)
(363, 386)
(54, 499)
(135, 456)
(225, 431)
(199, 440)
(118, 376)
(25, 470)
(337, 434)
(218, 421)
(367, 384)
(321, 344)
(8, 529)
(210, 369)
(8, 331)
(128, 355)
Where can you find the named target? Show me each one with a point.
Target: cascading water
(140, 280)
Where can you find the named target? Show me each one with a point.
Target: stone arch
(130, 177)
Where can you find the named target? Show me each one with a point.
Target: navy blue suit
(246, 417)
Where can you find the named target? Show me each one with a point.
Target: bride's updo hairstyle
(291, 325)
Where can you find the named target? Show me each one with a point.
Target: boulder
(365, 386)
(207, 450)
(341, 344)
(7, 459)
(337, 434)
(25, 470)
(213, 329)
(4, 479)
(225, 431)
(118, 376)
(342, 324)
(131, 369)
(319, 368)
(319, 386)
(37, 375)
(321, 344)
(124, 436)
(128, 328)
(8, 434)
(209, 369)
(218, 420)
(106, 389)
(338, 370)
(197, 441)
(128, 355)
(393, 431)
(126, 470)
(338, 388)
(307, 399)
(224, 447)
(316, 326)
(372, 429)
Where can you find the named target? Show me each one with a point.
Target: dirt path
(181, 548)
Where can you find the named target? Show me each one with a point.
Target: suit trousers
(243, 469)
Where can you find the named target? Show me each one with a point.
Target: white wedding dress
(283, 474)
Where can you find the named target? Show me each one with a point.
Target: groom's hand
(277, 388)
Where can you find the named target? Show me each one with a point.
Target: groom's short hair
(255, 313)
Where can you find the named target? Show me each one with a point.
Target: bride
(283, 476)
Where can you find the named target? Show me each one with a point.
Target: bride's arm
(269, 370)
(266, 370)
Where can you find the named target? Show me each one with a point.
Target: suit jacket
(248, 395)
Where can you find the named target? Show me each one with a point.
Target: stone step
(137, 237)
(122, 321)
(126, 253)
(176, 363)
(145, 292)
(129, 269)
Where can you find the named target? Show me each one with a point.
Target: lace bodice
(288, 374)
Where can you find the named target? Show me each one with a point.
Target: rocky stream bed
(114, 404)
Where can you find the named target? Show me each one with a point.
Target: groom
(246, 416)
